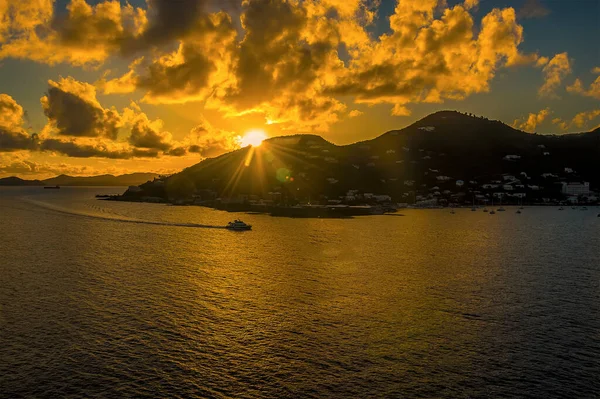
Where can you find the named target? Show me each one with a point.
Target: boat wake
(122, 219)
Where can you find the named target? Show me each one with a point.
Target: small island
(447, 159)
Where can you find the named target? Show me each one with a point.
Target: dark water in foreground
(105, 299)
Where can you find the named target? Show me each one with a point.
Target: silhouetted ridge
(437, 151)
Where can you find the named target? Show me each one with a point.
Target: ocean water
(111, 300)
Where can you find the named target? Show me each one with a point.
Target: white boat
(238, 225)
(501, 209)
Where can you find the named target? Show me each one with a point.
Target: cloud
(85, 34)
(12, 135)
(354, 113)
(208, 141)
(533, 9)
(594, 89)
(542, 61)
(580, 120)
(283, 60)
(428, 60)
(146, 134)
(290, 71)
(77, 149)
(560, 123)
(554, 72)
(170, 21)
(22, 165)
(73, 110)
(79, 126)
(468, 4)
(532, 121)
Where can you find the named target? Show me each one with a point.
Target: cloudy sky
(109, 86)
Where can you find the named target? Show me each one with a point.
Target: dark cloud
(189, 72)
(533, 9)
(273, 43)
(78, 150)
(192, 74)
(12, 135)
(84, 26)
(145, 136)
(177, 152)
(72, 108)
(195, 148)
(16, 141)
(170, 20)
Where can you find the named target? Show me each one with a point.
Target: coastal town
(447, 159)
(448, 192)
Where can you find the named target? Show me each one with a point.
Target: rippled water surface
(110, 299)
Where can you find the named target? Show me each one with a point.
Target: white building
(576, 188)
(382, 198)
(549, 175)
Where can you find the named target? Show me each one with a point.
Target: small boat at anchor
(238, 225)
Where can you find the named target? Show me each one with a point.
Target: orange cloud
(554, 72)
(532, 121)
(592, 91)
(12, 135)
(580, 120)
(560, 123)
(428, 60)
(289, 69)
(22, 164)
(85, 34)
(208, 141)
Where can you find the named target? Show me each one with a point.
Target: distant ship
(238, 225)
(52, 187)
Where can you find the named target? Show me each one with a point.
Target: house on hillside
(579, 188)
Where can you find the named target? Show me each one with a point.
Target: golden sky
(108, 86)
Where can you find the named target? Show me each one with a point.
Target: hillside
(132, 179)
(16, 181)
(434, 155)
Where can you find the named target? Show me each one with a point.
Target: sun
(254, 138)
